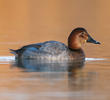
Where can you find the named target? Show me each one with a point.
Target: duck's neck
(73, 42)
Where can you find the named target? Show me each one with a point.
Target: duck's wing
(53, 47)
(48, 47)
(22, 49)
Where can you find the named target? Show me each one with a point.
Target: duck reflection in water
(57, 71)
(43, 66)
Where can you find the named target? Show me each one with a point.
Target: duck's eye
(82, 33)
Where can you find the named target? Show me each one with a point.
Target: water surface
(28, 80)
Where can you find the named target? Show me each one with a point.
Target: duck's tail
(13, 51)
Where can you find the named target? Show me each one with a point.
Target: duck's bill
(91, 40)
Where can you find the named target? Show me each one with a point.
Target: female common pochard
(54, 50)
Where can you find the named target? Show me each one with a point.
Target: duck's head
(78, 37)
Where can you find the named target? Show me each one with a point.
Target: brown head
(78, 37)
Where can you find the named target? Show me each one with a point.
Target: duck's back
(48, 49)
(53, 47)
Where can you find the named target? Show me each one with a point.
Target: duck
(55, 50)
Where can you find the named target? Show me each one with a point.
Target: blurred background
(30, 21)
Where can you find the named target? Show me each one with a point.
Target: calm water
(28, 79)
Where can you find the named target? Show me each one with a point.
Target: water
(28, 80)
